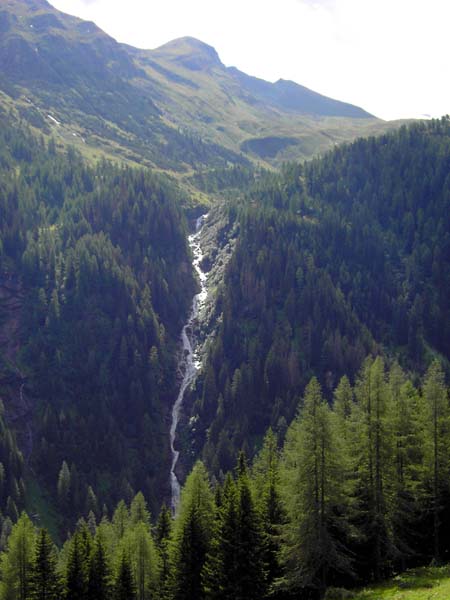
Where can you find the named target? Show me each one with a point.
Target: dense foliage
(359, 490)
(336, 259)
(100, 259)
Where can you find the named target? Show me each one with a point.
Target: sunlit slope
(176, 108)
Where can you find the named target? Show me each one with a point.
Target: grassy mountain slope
(174, 108)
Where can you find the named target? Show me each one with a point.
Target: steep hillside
(176, 108)
(335, 259)
(95, 281)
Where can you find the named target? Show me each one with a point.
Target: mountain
(175, 108)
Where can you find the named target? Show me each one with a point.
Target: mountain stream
(189, 362)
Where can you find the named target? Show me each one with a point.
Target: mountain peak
(190, 53)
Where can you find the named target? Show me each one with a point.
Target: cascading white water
(189, 363)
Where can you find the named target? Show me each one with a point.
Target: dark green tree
(192, 536)
(45, 583)
(99, 575)
(124, 586)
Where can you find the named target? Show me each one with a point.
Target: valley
(189, 363)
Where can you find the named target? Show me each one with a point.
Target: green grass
(430, 583)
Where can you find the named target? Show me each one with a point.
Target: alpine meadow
(224, 329)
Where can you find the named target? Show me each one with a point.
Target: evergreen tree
(192, 536)
(437, 446)
(120, 519)
(77, 568)
(138, 510)
(266, 483)
(44, 582)
(342, 406)
(139, 546)
(124, 586)
(235, 566)
(315, 498)
(162, 539)
(64, 486)
(373, 450)
(407, 423)
(99, 577)
(17, 561)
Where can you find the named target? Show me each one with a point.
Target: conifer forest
(224, 368)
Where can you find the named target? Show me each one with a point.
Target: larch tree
(140, 547)
(437, 446)
(313, 493)
(17, 562)
(266, 485)
(372, 447)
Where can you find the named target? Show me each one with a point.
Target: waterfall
(189, 362)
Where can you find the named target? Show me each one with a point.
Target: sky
(391, 57)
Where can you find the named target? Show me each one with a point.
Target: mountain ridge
(173, 107)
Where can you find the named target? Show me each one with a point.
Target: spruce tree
(235, 566)
(124, 586)
(77, 569)
(99, 577)
(192, 536)
(64, 486)
(45, 583)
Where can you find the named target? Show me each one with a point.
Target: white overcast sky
(391, 57)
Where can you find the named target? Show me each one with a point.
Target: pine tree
(17, 561)
(343, 405)
(314, 495)
(138, 510)
(251, 577)
(91, 502)
(373, 449)
(139, 547)
(120, 519)
(266, 483)
(44, 582)
(162, 537)
(437, 446)
(99, 577)
(124, 586)
(192, 536)
(64, 484)
(77, 569)
(235, 565)
(407, 418)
